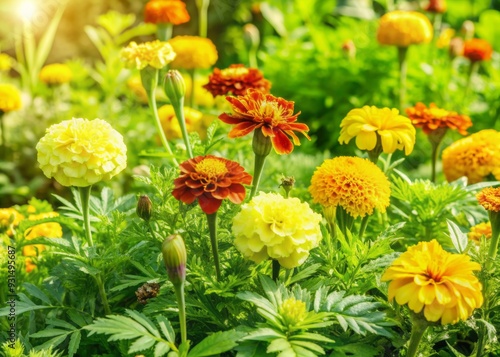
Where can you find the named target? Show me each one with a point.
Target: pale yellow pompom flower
(271, 226)
(10, 98)
(368, 123)
(404, 28)
(80, 152)
(156, 54)
(55, 73)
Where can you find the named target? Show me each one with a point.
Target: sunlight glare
(27, 10)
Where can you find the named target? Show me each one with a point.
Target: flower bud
(349, 48)
(251, 35)
(287, 183)
(175, 87)
(144, 208)
(467, 29)
(261, 144)
(175, 257)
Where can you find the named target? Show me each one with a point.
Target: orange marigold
(479, 230)
(273, 115)
(236, 80)
(166, 11)
(210, 179)
(438, 6)
(477, 49)
(432, 118)
(489, 198)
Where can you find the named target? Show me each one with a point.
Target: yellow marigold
(80, 152)
(156, 54)
(271, 226)
(293, 311)
(134, 83)
(48, 229)
(433, 117)
(10, 98)
(368, 123)
(202, 97)
(193, 52)
(166, 11)
(479, 230)
(56, 73)
(5, 62)
(475, 157)
(428, 278)
(489, 198)
(9, 217)
(445, 38)
(404, 28)
(355, 184)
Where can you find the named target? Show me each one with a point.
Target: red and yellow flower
(166, 11)
(477, 49)
(433, 118)
(236, 80)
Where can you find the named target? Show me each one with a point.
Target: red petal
(228, 119)
(237, 104)
(281, 142)
(237, 194)
(209, 204)
(193, 184)
(242, 129)
(267, 131)
(221, 193)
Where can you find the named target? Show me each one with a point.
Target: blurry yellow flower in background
(404, 28)
(441, 284)
(367, 124)
(479, 230)
(475, 157)
(356, 184)
(56, 73)
(156, 54)
(48, 229)
(134, 83)
(80, 152)
(5, 62)
(195, 121)
(271, 226)
(445, 37)
(193, 52)
(9, 217)
(10, 98)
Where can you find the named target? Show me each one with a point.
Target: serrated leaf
(50, 333)
(303, 352)
(258, 301)
(60, 323)
(161, 349)
(166, 328)
(263, 334)
(54, 342)
(458, 238)
(36, 292)
(217, 343)
(119, 327)
(279, 344)
(74, 343)
(144, 321)
(142, 344)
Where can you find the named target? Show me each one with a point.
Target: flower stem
(212, 227)
(181, 118)
(403, 68)
(362, 227)
(260, 160)
(179, 294)
(3, 146)
(102, 294)
(417, 331)
(202, 6)
(495, 235)
(435, 151)
(164, 31)
(473, 68)
(276, 269)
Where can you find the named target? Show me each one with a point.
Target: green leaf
(54, 342)
(36, 292)
(275, 17)
(119, 327)
(458, 238)
(142, 344)
(166, 328)
(161, 349)
(140, 30)
(50, 333)
(60, 323)
(264, 334)
(217, 343)
(144, 321)
(279, 344)
(74, 342)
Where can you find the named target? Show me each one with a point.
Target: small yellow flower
(293, 311)
(49, 230)
(404, 28)
(367, 124)
(445, 38)
(271, 226)
(355, 184)
(56, 73)
(441, 284)
(156, 54)
(9, 217)
(10, 98)
(81, 152)
(193, 52)
(5, 62)
(479, 230)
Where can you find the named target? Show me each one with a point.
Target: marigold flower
(134, 83)
(404, 28)
(236, 80)
(437, 6)
(432, 118)
(10, 98)
(56, 73)
(445, 38)
(355, 184)
(166, 11)
(30, 266)
(489, 198)
(368, 123)
(49, 230)
(193, 52)
(479, 230)
(196, 121)
(271, 226)
(156, 54)
(9, 217)
(475, 157)
(428, 278)
(5, 62)
(273, 115)
(80, 152)
(477, 49)
(210, 179)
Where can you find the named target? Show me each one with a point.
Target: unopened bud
(251, 35)
(144, 208)
(261, 144)
(467, 29)
(287, 183)
(349, 49)
(175, 87)
(175, 257)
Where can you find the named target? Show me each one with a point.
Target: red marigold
(432, 118)
(210, 179)
(236, 80)
(166, 11)
(273, 115)
(477, 49)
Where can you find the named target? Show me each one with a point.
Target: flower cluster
(166, 11)
(476, 157)
(193, 52)
(441, 284)
(404, 28)
(81, 152)
(274, 116)
(271, 226)
(477, 50)
(210, 179)
(479, 230)
(355, 184)
(432, 118)
(156, 54)
(236, 80)
(56, 73)
(10, 98)
(195, 121)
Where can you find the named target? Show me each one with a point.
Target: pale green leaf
(280, 344)
(216, 343)
(74, 343)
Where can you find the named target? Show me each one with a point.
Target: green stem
(252, 57)
(202, 16)
(212, 227)
(473, 68)
(417, 331)
(164, 31)
(363, 225)
(181, 118)
(179, 294)
(3, 147)
(260, 160)
(435, 151)
(403, 68)
(102, 294)
(276, 269)
(495, 234)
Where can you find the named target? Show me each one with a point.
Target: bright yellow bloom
(475, 157)
(445, 38)
(193, 52)
(10, 98)
(49, 230)
(404, 28)
(134, 83)
(367, 124)
(293, 311)
(5, 62)
(195, 121)
(9, 217)
(428, 278)
(81, 152)
(489, 198)
(56, 73)
(271, 226)
(479, 230)
(156, 54)
(355, 184)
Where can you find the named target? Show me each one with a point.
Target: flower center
(293, 311)
(234, 72)
(211, 168)
(438, 113)
(270, 112)
(434, 270)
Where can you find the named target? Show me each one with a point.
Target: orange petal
(281, 142)
(208, 204)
